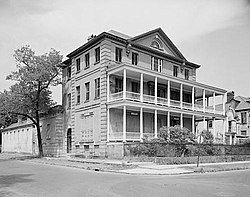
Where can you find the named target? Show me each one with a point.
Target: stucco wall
(20, 140)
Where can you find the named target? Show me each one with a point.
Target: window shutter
(160, 66)
(152, 63)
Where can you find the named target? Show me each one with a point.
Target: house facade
(119, 89)
(238, 119)
(21, 137)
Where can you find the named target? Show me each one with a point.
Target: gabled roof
(243, 105)
(164, 36)
(242, 98)
(125, 39)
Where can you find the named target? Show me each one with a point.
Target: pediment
(159, 41)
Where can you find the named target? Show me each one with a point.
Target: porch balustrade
(130, 135)
(210, 109)
(175, 103)
(198, 107)
(186, 105)
(133, 96)
(163, 101)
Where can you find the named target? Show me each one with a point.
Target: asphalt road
(21, 178)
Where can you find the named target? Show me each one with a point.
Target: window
(134, 58)
(118, 54)
(186, 74)
(87, 60)
(243, 132)
(97, 88)
(175, 71)
(155, 44)
(135, 87)
(69, 100)
(78, 65)
(87, 91)
(118, 85)
(86, 147)
(229, 126)
(78, 95)
(69, 73)
(156, 64)
(210, 124)
(97, 54)
(243, 118)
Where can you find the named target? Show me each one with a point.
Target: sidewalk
(125, 167)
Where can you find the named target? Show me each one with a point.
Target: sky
(212, 33)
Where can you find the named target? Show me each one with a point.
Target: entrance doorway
(69, 140)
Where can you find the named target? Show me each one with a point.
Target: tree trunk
(39, 138)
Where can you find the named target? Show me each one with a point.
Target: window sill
(96, 98)
(78, 71)
(77, 103)
(97, 62)
(86, 101)
(86, 68)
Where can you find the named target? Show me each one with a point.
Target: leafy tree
(30, 96)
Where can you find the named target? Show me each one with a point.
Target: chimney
(91, 37)
(230, 96)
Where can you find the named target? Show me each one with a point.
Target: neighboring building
(21, 137)
(238, 119)
(119, 89)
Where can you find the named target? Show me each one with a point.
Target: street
(22, 178)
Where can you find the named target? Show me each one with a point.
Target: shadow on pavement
(9, 180)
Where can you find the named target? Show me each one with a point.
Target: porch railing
(210, 109)
(198, 107)
(115, 96)
(148, 98)
(133, 96)
(130, 135)
(163, 101)
(186, 105)
(175, 103)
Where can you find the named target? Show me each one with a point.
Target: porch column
(204, 122)
(168, 123)
(181, 96)
(181, 120)
(193, 124)
(224, 130)
(155, 123)
(141, 124)
(224, 103)
(214, 102)
(213, 127)
(193, 98)
(168, 93)
(124, 124)
(204, 103)
(141, 88)
(156, 90)
(124, 83)
(108, 88)
(108, 125)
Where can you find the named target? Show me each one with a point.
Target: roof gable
(157, 40)
(243, 105)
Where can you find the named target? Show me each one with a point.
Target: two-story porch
(140, 101)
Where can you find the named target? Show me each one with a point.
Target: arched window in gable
(156, 43)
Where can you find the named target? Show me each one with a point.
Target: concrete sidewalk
(126, 167)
